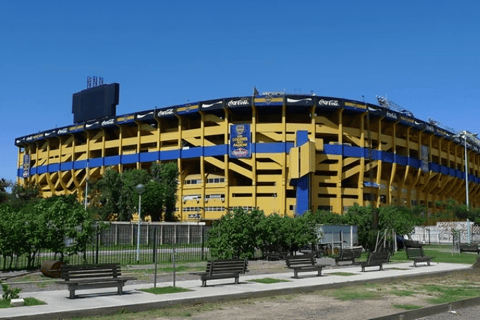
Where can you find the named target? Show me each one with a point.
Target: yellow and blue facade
(280, 153)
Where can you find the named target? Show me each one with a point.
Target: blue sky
(424, 55)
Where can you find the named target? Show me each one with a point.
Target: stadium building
(278, 152)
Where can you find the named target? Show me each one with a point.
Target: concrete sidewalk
(104, 301)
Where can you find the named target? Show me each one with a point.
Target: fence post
(154, 246)
(98, 243)
(161, 234)
(132, 233)
(203, 241)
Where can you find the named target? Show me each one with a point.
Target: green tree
(166, 174)
(4, 185)
(235, 234)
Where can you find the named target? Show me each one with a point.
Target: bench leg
(204, 283)
(428, 262)
(237, 280)
(119, 290)
(295, 274)
(319, 272)
(72, 293)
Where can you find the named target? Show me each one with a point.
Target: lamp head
(140, 188)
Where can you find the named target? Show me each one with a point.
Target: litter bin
(52, 268)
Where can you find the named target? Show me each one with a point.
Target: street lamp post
(140, 188)
(466, 170)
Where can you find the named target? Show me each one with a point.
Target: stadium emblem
(240, 129)
(331, 103)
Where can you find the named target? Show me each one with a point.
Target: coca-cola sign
(238, 103)
(108, 122)
(391, 115)
(330, 103)
(163, 113)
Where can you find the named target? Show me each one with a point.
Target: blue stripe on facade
(53, 167)
(65, 166)
(129, 158)
(213, 151)
(191, 153)
(388, 157)
(221, 150)
(332, 149)
(435, 167)
(401, 160)
(169, 155)
(276, 147)
(355, 152)
(112, 160)
(81, 164)
(149, 156)
(95, 162)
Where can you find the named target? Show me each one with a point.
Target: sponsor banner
(376, 111)
(211, 105)
(429, 128)
(19, 141)
(326, 102)
(442, 132)
(168, 112)
(62, 131)
(76, 128)
(145, 115)
(126, 118)
(108, 122)
(269, 100)
(26, 165)
(299, 101)
(34, 137)
(49, 134)
(186, 109)
(240, 141)
(92, 125)
(238, 102)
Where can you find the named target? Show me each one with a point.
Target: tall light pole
(140, 188)
(466, 170)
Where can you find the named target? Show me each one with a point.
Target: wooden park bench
(92, 277)
(469, 248)
(349, 255)
(376, 259)
(417, 255)
(276, 255)
(303, 263)
(412, 244)
(223, 269)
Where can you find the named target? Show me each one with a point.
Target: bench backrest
(72, 272)
(468, 246)
(350, 253)
(413, 252)
(300, 260)
(227, 266)
(379, 256)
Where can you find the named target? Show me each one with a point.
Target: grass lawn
(27, 302)
(269, 280)
(165, 290)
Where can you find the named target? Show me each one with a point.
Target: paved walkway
(101, 301)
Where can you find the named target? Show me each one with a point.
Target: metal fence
(118, 244)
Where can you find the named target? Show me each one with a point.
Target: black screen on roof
(95, 103)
